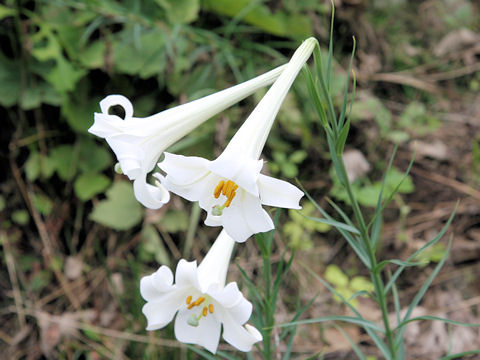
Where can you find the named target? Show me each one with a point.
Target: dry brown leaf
(355, 163)
(55, 327)
(455, 41)
(73, 268)
(435, 150)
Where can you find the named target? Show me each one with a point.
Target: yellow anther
(191, 306)
(228, 189)
(189, 299)
(199, 301)
(205, 311)
(218, 189)
(229, 200)
(210, 308)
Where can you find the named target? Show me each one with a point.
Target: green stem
(374, 273)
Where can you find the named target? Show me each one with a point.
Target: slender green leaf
(436, 318)
(354, 346)
(341, 118)
(373, 335)
(460, 355)
(427, 245)
(418, 297)
(382, 264)
(366, 324)
(335, 223)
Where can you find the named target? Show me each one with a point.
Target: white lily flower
(203, 303)
(231, 188)
(139, 142)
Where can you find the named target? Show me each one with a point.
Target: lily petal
(242, 170)
(279, 193)
(153, 197)
(206, 334)
(160, 312)
(186, 274)
(157, 284)
(240, 337)
(184, 170)
(233, 301)
(246, 218)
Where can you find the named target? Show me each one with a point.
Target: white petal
(233, 301)
(129, 155)
(113, 100)
(242, 170)
(245, 217)
(206, 334)
(239, 336)
(105, 125)
(152, 197)
(156, 284)
(214, 266)
(279, 193)
(161, 311)
(184, 170)
(186, 274)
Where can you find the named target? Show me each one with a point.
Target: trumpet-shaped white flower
(139, 142)
(231, 188)
(202, 301)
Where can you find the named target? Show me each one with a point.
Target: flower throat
(227, 188)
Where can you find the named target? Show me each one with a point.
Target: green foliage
(175, 221)
(20, 217)
(433, 254)
(255, 13)
(300, 228)
(285, 164)
(346, 287)
(87, 185)
(367, 193)
(120, 211)
(2, 203)
(151, 247)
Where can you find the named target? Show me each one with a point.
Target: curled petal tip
(150, 196)
(113, 100)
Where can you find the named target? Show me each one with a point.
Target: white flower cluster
(230, 189)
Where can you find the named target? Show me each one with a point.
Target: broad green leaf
(39, 165)
(63, 159)
(79, 113)
(120, 211)
(93, 158)
(145, 57)
(33, 96)
(152, 245)
(93, 56)
(336, 276)
(6, 12)
(175, 220)
(180, 11)
(64, 76)
(88, 185)
(21, 217)
(42, 203)
(255, 13)
(9, 82)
